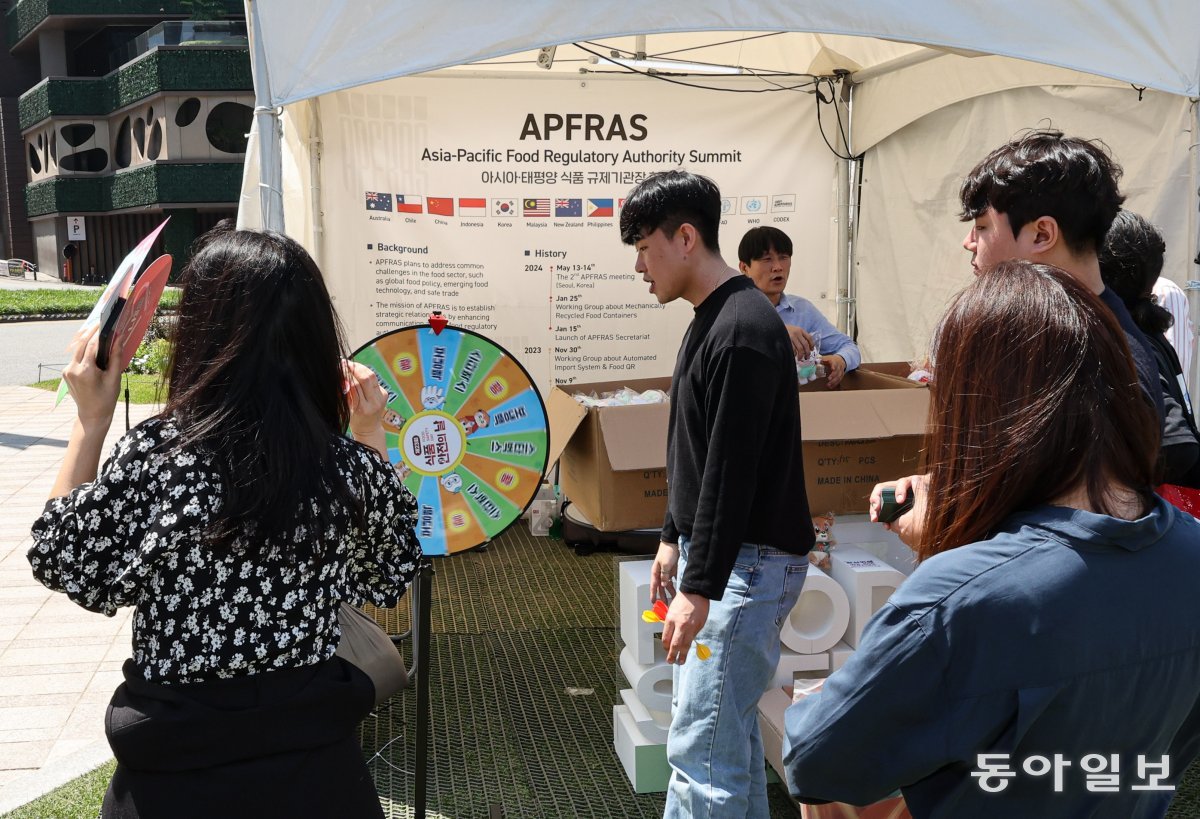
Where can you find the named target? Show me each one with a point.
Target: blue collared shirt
(1065, 633)
(801, 313)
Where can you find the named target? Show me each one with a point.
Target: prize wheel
(466, 430)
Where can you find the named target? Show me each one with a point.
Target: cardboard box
(867, 431)
(900, 369)
(613, 459)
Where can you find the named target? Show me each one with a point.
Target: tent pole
(848, 287)
(1192, 286)
(315, 145)
(270, 160)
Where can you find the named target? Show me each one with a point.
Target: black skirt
(282, 744)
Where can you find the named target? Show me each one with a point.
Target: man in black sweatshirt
(737, 528)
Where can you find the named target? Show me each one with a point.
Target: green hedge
(160, 183)
(25, 16)
(190, 68)
(52, 301)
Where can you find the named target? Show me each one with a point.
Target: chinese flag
(440, 205)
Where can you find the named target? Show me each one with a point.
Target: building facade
(137, 111)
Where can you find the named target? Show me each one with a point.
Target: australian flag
(568, 207)
(379, 201)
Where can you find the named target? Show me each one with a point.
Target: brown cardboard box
(900, 369)
(868, 430)
(613, 459)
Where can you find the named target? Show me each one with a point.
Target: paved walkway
(59, 664)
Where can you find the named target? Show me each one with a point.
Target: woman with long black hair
(235, 522)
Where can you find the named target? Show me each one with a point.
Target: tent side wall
(909, 245)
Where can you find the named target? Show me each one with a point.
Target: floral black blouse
(132, 538)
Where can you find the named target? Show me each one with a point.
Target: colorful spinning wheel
(466, 429)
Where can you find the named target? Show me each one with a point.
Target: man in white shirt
(765, 255)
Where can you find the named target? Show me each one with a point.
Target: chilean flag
(406, 203)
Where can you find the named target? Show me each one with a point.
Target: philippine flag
(407, 203)
(600, 207)
(440, 206)
(504, 207)
(568, 207)
(536, 207)
(472, 207)
(379, 201)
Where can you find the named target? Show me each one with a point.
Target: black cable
(761, 73)
(813, 81)
(521, 62)
(655, 76)
(725, 42)
(633, 54)
(819, 98)
(837, 109)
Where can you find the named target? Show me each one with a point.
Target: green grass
(63, 302)
(78, 798)
(143, 389)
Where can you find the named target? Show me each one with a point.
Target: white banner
(496, 201)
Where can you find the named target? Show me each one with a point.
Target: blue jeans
(714, 746)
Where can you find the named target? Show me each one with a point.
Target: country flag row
(542, 207)
(476, 206)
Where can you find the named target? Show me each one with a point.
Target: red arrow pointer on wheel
(438, 322)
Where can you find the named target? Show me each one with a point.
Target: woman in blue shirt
(1044, 658)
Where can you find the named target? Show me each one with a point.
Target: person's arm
(742, 386)
(880, 722)
(833, 344)
(833, 340)
(95, 393)
(1180, 450)
(96, 542)
(908, 527)
(368, 400)
(741, 392)
(384, 560)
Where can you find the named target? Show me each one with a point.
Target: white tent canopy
(936, 84)
(335, 44)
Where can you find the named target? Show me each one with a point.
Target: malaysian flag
(568, 207)
(536, 207)
(379, 201)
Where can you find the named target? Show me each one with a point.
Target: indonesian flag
(472, 207)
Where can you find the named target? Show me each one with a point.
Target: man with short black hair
(765, 255)
(1050, 198)
(737, 527)
(1046, 198)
